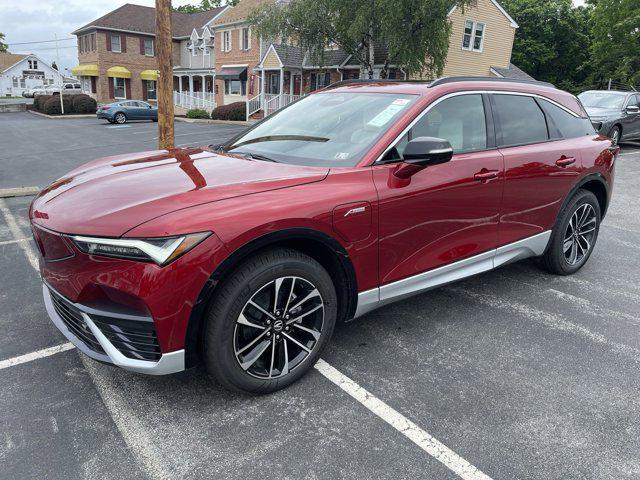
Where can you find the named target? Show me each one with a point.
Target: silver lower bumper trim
(172, 362)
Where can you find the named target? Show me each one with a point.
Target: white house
(21, 71)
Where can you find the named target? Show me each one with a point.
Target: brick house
(116, 52)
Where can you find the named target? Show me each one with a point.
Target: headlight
(159, 250)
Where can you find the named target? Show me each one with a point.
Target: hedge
(234, 111)
(197, 113)
(79, 103)
(83, 104)
(40, 100)
(52, 106)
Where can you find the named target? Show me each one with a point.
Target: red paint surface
(438, 215)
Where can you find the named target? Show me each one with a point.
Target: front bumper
(110, 342)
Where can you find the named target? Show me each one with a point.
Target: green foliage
(3, 45)
(204, 5)
(416, 32)
(552, 43)
(54, 65)
(82, 103)
(52, 106)
(197, 113)
(40, 100)
(616, 40)
(234, 111)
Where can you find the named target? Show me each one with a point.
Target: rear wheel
(120, 118)
(269, 322)
(574, 235)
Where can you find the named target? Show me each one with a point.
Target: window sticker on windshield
(388, 113)
(342, 156)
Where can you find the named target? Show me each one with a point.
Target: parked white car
(28, 93)
(67, 88)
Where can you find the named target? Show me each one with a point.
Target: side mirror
(425, 151)
(633, 109)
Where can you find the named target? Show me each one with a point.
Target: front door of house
(297, 80)
(274, 83)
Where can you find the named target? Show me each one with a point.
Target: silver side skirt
(377, 297)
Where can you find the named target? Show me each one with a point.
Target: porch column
(262, 80)
(291, 82)
(180, 83)
(281, 81)
(191, 85)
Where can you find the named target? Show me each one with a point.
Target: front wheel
(574, 235)
(269, 322)
(614, 134)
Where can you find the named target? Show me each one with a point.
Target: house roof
(240, 12)
(499, 7)
(136, 18)
(10, 59)
(511, 72)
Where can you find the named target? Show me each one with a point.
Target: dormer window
(473, 38)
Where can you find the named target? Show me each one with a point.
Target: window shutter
(144, 90)
(93, 85)
(127, 86)
(108, 35)
(123, 43)
(110, 81)
(141, 45)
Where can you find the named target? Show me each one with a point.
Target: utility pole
(165, 78)
(55, 35)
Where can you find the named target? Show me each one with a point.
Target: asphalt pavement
(519, 373)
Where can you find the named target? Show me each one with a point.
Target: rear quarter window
(567, 125)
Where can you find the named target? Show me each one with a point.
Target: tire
(120, 118)
(232, 353)
(557, 259)
(615, 133)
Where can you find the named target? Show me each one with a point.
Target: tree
(204, 5)
(615, 49)
(3, 46)
(552, 43)
(54, 66)
(413, 33)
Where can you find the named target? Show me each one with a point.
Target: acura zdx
(243, 256)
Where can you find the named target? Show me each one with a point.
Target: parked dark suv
(245, 256)
(613, 113)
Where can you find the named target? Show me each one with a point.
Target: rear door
(541, 165)
(632, 121)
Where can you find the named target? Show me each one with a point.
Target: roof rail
(352, 81)
(445, 80)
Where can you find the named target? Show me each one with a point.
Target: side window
(567, 125)
(521, 120)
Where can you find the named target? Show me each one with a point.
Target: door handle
(484, 175)
(565, 161)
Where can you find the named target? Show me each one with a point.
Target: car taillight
(105, 108)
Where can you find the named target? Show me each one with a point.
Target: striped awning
(118, 72)
(85, 71)
(149, 75)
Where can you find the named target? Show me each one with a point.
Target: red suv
(244, 256)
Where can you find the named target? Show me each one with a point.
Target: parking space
(519, 373)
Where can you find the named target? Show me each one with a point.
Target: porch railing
(205, 100)
(276, 102)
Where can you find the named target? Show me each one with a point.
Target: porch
(194, 89)
(278, 88)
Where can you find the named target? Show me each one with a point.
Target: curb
(19, 192)
(63, 117)
(207, 121)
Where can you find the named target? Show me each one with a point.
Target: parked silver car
(614, 113)
(67, 88)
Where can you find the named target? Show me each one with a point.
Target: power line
(42, 41)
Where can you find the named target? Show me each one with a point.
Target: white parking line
(124, 418)
(29, 357)
(402, 424)
(9, 242)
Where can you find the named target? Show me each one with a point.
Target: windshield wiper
(256, 156)
(274, 138)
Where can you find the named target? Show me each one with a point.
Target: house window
(93, 41)
(235, 87)
(148, 47)
(246, 38)
(33, 64)
(23, 83)
(151, 89)
(15, 82)
(226, 41)
(473, 37)
(115, 43)
(320, 80)
(119, 88)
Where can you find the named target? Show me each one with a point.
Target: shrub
(40, 100)
(234, 111)
(83, 104)
(197, 113)
(52, 106)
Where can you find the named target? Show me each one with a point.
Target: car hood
(599, 112)
(109, 196)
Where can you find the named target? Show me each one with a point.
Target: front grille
(73, 320)
(134, 339)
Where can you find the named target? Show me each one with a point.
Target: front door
(443, 213)
(297, 80)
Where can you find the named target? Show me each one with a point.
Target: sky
(39, 20)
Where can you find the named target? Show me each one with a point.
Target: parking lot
(518, 373)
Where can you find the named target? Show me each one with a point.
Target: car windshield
(333, 129)
(602, 99)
